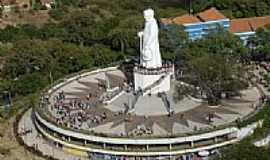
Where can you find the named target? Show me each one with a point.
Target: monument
(151, 76)
(99, 113)
(149, 46)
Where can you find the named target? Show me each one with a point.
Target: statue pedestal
(153, 80)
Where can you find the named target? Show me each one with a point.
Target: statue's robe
(151, 57)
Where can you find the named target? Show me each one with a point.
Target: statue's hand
(140, 34)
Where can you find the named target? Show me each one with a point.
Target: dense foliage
(81, 34)
(213, 65)
(235, 8)
(245, 150)
(260, 45)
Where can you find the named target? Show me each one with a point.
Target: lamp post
(7, 101)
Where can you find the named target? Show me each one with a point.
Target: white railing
(137, 141)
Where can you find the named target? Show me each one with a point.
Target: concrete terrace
(150, 117)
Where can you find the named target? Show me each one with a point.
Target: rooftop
(211, 14)
(259, 22)
(248, 24)
(185, 19)
(240, 25)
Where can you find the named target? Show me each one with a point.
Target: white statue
(149, 44)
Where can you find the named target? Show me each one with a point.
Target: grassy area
(10, 149)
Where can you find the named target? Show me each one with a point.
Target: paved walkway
(33, 139)
(185, 120)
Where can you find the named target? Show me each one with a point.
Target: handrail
(138, 141)
(156, 83)
(166, 102)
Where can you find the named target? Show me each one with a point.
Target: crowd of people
(74, 113)
(140, 131)
(80, 114)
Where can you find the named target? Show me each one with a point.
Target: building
(202, 23)
(7, 5)
(246, 27)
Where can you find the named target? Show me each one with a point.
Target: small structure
(47, 3)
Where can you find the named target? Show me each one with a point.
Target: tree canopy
(213, 65)
(259, 44)
(235, 8)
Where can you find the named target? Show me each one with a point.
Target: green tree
(102, 55)
(67, 58)
(220, 42)
(259, 45)
(129, 28)
(214, 75)
(172, 39)
(26, 56)
(118, 39)
(29, 83)
(245, 150)
(213, 65)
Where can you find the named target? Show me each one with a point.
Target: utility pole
(185, 4)
(190, 7)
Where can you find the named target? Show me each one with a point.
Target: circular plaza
(98, 111)
(133, 110)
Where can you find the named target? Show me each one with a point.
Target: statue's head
(148, 14)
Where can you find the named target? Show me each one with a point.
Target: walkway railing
(166, 68)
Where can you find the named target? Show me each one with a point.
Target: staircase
(140, 92)
(156, 83)
(137, 95)
(166, 102)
